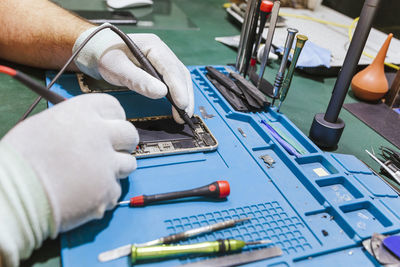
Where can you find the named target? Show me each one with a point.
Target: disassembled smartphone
(91, 85)
(161, 135)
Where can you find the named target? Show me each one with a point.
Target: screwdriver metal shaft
(301, 40)
(252, 38)
(395, 175)
(281, 72)
(268, 41)
(193, 232)
(265, 10)
(126, 250)
(245, 33)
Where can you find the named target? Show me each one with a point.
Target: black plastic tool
(251, 101)
(264, 86)
(239, 89)
(224, 80)
(233, 99)
(250, 88)
(218, 189)
(252, 38)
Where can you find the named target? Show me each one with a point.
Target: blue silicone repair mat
(317, 208)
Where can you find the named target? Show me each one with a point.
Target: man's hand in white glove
(78, 149)
(60, 169)
(106, 56)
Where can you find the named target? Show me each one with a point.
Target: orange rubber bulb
(371, 84)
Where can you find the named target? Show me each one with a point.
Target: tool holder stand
(327, 128)
(324, 133)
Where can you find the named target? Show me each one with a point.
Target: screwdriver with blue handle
(281, 72)
(301, 40)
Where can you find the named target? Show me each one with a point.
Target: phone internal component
(91, 85)
(161, 135)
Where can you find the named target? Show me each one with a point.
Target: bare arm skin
(38, 33)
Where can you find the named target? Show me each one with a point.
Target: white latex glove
(78, 149)
(106, 56)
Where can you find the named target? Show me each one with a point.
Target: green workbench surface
(189, 28)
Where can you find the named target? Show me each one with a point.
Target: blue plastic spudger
(280, 140)
(392, 243)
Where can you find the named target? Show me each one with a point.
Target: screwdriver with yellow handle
(168, 251)
(127, 249)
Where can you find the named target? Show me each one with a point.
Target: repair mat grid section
(268, 221)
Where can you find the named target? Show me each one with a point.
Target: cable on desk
(349, 32)
(393, 66)
(8, 71)
(283, 14)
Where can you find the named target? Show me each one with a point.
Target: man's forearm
(38, 33)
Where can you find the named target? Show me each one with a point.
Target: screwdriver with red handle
(217, 190)
(265, 11)
(32, 84)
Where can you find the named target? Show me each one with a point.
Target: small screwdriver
(126, 250)
(281, 72)
(164, 251)
(265, 11)
(193, 232)
(301, 40)
(218, 189)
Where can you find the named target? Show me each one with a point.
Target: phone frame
(179, 150)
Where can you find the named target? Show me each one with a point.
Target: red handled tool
(33, 85)
(265, 11)
(218, 189)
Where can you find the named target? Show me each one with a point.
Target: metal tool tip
(188, 121)
(123, 202)
(103, 257)
(114, 253)
(292, 30)
(369, 153)
(266, 241)
(259, 242)
(243, 219)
